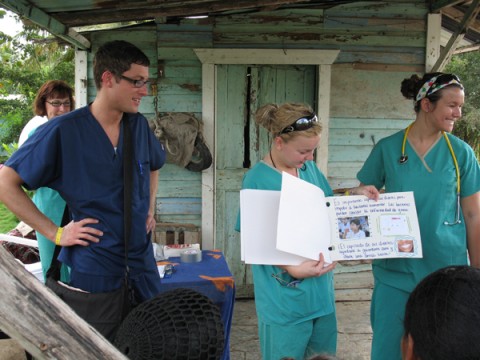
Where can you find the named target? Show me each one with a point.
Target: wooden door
(240, 143)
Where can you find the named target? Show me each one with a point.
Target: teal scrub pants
(386, 316)
(312, 337)
(46, 249)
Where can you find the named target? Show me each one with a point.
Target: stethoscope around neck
(404, 158)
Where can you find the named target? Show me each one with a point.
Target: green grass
(8, 221)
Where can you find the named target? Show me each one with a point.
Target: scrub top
(51, 204)
(276, 303)
(73, 155)
(433, 182)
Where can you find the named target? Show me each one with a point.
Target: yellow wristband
(347, 192)
(58, 236)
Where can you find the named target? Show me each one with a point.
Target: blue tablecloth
(210, 277)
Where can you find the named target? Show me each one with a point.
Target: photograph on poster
(350, 228)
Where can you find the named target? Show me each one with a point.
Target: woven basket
(180, 324)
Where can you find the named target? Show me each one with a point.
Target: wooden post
(41, 322)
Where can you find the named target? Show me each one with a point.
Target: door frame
(323, 59)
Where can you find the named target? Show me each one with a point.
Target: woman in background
(54, 98)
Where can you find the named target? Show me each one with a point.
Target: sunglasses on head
(444, 78)
(303, 123)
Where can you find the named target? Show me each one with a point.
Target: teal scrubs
(432, 179)
(51, 204)
(294, 322)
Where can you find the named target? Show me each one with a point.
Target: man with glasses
(80, 155)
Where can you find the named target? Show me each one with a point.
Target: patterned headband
(431, 85)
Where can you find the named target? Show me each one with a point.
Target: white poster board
(297, 223)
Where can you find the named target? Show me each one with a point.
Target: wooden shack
(221, 60)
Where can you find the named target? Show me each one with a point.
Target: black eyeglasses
(58, 103)
(303, 123)
(136, 83)
(286, 283)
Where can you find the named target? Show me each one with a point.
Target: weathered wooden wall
(379, 45)
(366, 106)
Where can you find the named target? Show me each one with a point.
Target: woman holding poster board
(444, 175)
(295, 304)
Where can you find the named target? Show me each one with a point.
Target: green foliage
(467, 67)
(12, 119)
(7, 151)
(28, 60)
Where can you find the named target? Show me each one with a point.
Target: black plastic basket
(180, 324)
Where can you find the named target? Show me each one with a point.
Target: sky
(9, 25)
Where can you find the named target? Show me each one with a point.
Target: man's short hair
(116, 56)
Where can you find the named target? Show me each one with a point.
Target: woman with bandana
(444, 175)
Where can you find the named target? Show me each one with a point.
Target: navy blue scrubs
(73, 155)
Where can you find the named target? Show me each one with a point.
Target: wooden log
(41, 322)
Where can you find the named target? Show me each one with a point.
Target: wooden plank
(183, 39)
(286, 18)
(208, 175)
(175, 172)
(368, 123)
(42, 323)
(359, 57)
(173, 53)
(180, 219)
(228, 240)
(176, 70)
(341, 174)
(231, 91)
(352, 153)
(180, 86)
(374, 23)
(340, 183)
(267, 55)
(179, 188)
(187, 103)
(392, 9)
(147, 105)
(388, 67)
(178, 206)
(319, 39)
(347, 137)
